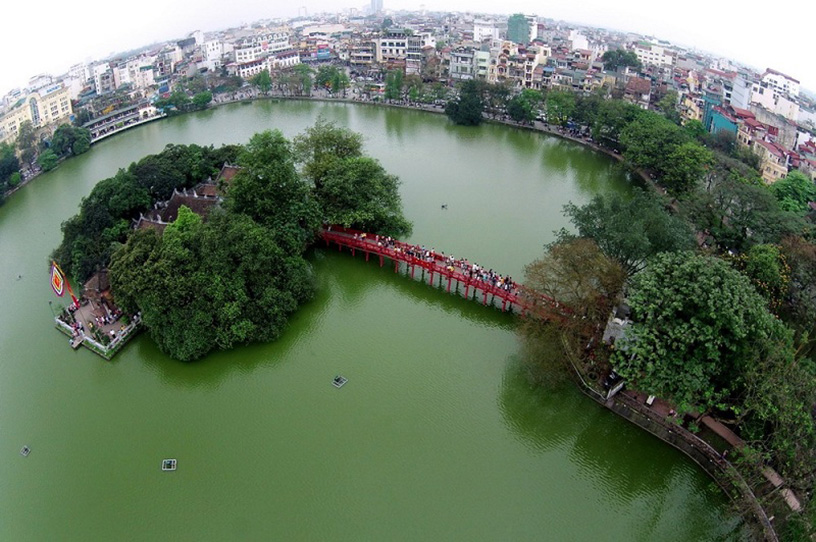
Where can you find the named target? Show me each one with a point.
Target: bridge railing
(527, 300)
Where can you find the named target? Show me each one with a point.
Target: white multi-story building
(260, 46)
(247, 70)
(484, 30)
(653, 55)
(213, 54)
(780, 83)
(103, 80)
(741, 90)
(578, 40)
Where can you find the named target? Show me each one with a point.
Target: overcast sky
(776, 36)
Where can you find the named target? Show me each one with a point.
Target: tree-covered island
(234, 271)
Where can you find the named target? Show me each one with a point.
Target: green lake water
(437, 435)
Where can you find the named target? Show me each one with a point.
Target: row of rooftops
(200, 199)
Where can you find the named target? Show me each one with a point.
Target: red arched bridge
(490, 286)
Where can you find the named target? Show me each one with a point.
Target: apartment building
(49, 106)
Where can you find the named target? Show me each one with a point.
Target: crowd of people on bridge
(450, 263)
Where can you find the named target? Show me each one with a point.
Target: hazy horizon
(68, 35)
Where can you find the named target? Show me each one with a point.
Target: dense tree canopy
(612, 118)
(737, 215)
(27, 142)
(213, 285)
(629, 230)
(352, 190)
(69, 140)
(794, 192)
(263, 82)
(269, 190)
(560, 106)
(685, 166)
(467, 108)
(619, 58)
(700, 329)
(8, 163)
(47, 160)
(104, 216)
(523, 107)
(648, 139)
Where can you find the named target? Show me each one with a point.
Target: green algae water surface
(436, 436)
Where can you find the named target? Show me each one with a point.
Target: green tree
(560, 105)
(263, 82)
(416, 88)
(619, 58)
(768, 271)
(586, 108)
(648, 139)
(351, 189)
(48, 160)
(103, 220)
(628, 230)
(523, 107)
(579, 276)
(700, 329)
(8, 162)
(612, 118)
(393, 85)
(202, 99)
(496, 97)
(83, 116)
(227, 276)
(668, 106)
(302, 79)
(794, 192)
(325, 75)
(738, 215)
(695, 129)
(360, 194)
(685, 166)
(70, 140)
(178, 100)
(467, 108)
(340, 82)
(321, 145)
(269, 190)
(15, 179)
(27, 142)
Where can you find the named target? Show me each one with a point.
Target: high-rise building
(518, 29)
(376, 6)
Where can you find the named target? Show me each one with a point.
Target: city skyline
(776, 40)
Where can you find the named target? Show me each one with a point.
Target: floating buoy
(169, 464)
(24, 451)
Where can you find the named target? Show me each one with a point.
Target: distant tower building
(518, 29)
(376, 6)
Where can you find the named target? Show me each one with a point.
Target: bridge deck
(513, 296)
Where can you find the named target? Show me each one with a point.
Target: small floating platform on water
(76, 342)
(24, 451)
(339, 381)
(169, 464)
